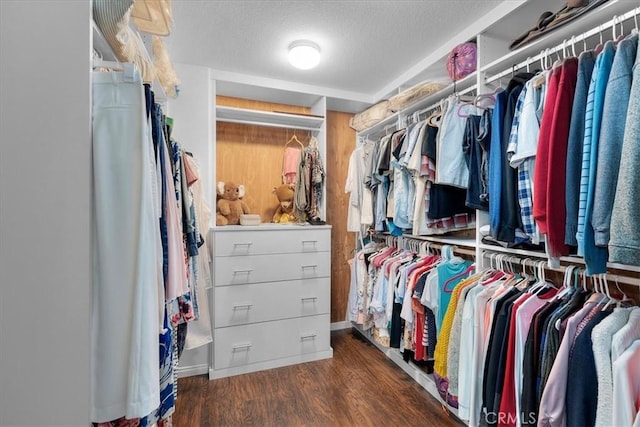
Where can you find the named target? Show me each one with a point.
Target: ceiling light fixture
(304, 54)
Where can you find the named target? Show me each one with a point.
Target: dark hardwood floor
(358, 387)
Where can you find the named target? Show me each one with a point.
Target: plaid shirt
(525, 198)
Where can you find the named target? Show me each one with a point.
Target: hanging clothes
(200, 332)
(625, 225)
(596, 257)
(127, 257)
(586, 62)
(614, 115)
(290, 163)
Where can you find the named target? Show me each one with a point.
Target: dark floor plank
(358, 387)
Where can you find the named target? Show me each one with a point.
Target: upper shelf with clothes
(133, 32)
(499, 48)
(495, 37)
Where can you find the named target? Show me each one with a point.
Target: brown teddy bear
(230, 206)
(285, 194)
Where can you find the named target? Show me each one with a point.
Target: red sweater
(557, 172)
(542, 154)
(508, 400)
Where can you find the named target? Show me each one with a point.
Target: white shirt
(479, 354)
(451, 166)
(626, 386)
(623, 338)
(528, 127)
(354, 186)
(466, 352)
(601, 345)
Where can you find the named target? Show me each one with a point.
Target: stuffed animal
(230, 206)
(285, 195)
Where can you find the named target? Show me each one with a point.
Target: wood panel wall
(341, 141)
(252, 155)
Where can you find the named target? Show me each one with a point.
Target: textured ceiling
(364, 44)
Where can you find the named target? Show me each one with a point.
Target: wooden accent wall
(341, 141)
(252, 155)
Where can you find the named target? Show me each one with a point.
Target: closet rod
(533, 263)
(274, 125)
(439, 103)
(438, 245)
(566, 43)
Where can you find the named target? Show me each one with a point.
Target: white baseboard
(191, 371)
(338, 326)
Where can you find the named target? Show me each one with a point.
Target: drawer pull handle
(314, 266)
(305, 299)
(238, 306)
(242, 271)
(241, 347)
(242, 244)
(308, 337)
(310, 242)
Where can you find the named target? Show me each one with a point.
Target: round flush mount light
(304, 54)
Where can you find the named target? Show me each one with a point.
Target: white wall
(193, 129)
(192, 114)
(45, 194)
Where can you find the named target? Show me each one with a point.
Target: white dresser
(271, 297)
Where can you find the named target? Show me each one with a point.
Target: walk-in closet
(288, 213)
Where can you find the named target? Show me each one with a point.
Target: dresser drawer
(259, 342)
(273, 241)
(243, 304)
(270, 268)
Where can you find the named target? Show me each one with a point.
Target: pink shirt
(524, 315)
(552, 407)
(177, 282)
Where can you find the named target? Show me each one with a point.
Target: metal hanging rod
(534, 263)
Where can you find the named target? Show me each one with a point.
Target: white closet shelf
(268, 118)
(591, 19)
(462, 86)
(380, 126)
(568, 259)
(102, 46)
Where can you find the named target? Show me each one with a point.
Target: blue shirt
(495, 163)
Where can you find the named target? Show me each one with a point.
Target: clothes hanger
(600, 45)
(294, 138)
(490, 97)
(459, 109)
(566, 281)
(435, 118)
(541, 78)
(620, 36)
(542, 282)
(624, 298)
(605, 288)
